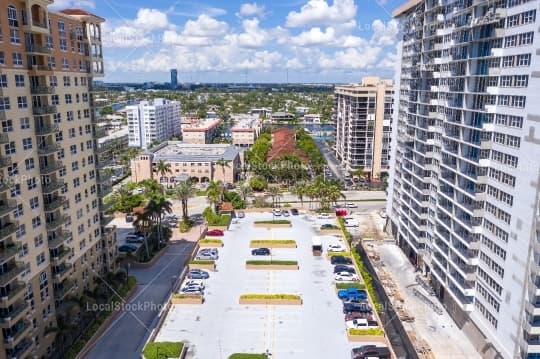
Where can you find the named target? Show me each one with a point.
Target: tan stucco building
(200, 131)
(364, 125)
(246, 130)
(200, 163)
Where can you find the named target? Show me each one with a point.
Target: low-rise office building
(200, 131)
(200, 163)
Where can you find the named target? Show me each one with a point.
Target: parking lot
(221, 326)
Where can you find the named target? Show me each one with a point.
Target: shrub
(258, 183)
(156, 350)
(272, 241)
(287, 205)
(329, 227)
(350, 285)
(276, 221)
(271, 262)
(271, 296)
(184, 227)
(344, 254)
(211, 241)
(367, 331)
(205, 262)
(247, 356)
(186, 295)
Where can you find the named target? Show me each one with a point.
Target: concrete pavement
(126, 336)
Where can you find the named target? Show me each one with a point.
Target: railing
(60, 239)
(8, 230)
(7, 206)
(8, 252)
(50, 149)
(56, 223)
(55, 204)
(42, 90)
(52, 167)
(4, 137)
(11, 273)
(5, 161)
(44, 110)
(47, 129)
(67, 286)
(22, 328)
(59, 256)
(13, 315)
(16, 288)
(52, 186)
(38, 49)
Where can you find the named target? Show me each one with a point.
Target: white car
(352, 205)
(359, 324)
(324, 216)
(335, 248)
(345, 277)
(191, 290)
(276, 212)
(206, 257)
(194, 283)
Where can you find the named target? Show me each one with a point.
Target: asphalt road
(126, 336)
(331, 159)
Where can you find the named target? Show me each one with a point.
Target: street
(331, 160)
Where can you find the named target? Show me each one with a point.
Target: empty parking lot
(221, 326)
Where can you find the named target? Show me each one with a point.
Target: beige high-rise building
(364, 125)
(53, 238)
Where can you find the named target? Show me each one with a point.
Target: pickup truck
(352, 293)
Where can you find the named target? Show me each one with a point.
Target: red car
(215, 232)
(358, 315)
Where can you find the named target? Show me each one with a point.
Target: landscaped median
(207, 265)
(272, 243)
(210, 242)
(156, 350)
(271, 299)
(366, 335)
(187, 298)
(344, 254)
(272, 265)
(350, 285)
(278, 223)
(248, 356)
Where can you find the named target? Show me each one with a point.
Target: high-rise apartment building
(174, 79)
(155, 120)
(54, 243)
(364, 125)
(464, 185)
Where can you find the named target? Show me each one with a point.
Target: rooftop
(79, 12)
(284, 143)
(367, 82)
(174, 151)
(246, 124)
(203, 124)
(114, 135)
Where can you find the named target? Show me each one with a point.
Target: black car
(294, 212)
(261, 252)
(356, 307)
(367, 351)
(343, 268)
(340, 260)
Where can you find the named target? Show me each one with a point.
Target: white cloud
(385, 34)
(125, 36)
(151, 19)
(253, 35)
(260, 60)
(69, 4)
(317, 12)
(251, 9)
(173, 38)
(351, 58)
(205, 26)
(315, 37)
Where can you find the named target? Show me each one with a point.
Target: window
(12, 16)
(4, 103)
(513, 141)
(2, 58)
(524, 60)
(55, 100)
(10, 148)
(19, 211)
(51, 61)
(508, 61)
(73, 149)
(19, 80)
(40, 259)
(521, 81)
(68, 99)
(17, 59)
(53, 81)
(518, 101)
(67, 81)
(7, 126)
(27, 143)
(15, 190)
(3, 81)
(31, 183)
(25, 123)
(504, 100)
(512, 21)
(23, 252)
(15, 36)
(506, 81)
(526, 38)
(21, 231)
(36, 222)
(529, 17)
(22, 102)
(510, 41)
(38, 240)
(63, 47)
(29, 163)
(65, 64)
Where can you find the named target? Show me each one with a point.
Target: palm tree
(275, 193)
(214, 192)
(163, 168)
(144, 224)
(223, 163)
(244, 190)
(300, 190)
(183, 192)
(156, 207)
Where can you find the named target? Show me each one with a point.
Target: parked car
(345, 277)
(324, 216)
(191, 290)
(351, 223)
(340, 260)
(294, 212)
(361, 323)
(196, 283)
(127, 247)
(261, 252)
(129, 218)
(351, 205)
(329, 226)
(364, 307)
(205, 256)
(198, 274)
(335, 248)
(215, 232)
(212, 251)
(285, 213)
(349, 293)
(358, 315)
(370, 351)
(344, 268)
(276, 212)
(341, 212)
(241, 214)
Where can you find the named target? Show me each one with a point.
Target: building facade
(174, 79)
(464, 184)
(246, 130)
(364, 124)
(54, 239)
(150, 121)
(199, 163)
(200, 131)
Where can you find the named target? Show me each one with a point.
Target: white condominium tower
(156, 120)
(464, 185)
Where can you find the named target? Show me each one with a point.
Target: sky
(336, 41)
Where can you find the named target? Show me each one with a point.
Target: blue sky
(231, 41)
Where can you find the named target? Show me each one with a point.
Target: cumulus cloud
(317, 12)
(253, 35)
(315, 37)
(251, 9)
(385, 34)
(351, 58)
(151, 19)
(205, 26)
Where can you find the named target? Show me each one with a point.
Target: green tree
(244, 190)
(223, 164)
(163, 168)
(275, 193)
(183, 192)
(214, 193)
(258, 183)
(156, 207)
(124, 200)
(300, 190)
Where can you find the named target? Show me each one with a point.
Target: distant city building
(174, 79)
(200, 131)
(311, 119)
(301, 110)
(364, 125)
(245, 130)
(149, 121)
(200, 163)
(282, 117)
(111, 147)
(261, 112)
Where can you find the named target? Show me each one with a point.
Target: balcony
(44, 110)
(100, 132)
(104, 191)
(61, 272)
(67, 287)
(42, 90)
(17, 289)
(54, 224)
(52, 186)
(104, 163)
(35, 49)
(55, 204)
(49, 150)
(5, 161)
(37, 69)
(7, 320)
(11, 273)
(104, 207)
(47, 130)
(8, 251)
(58, 256)
(51, 168)
(19, 331)
(7, 206)
(20, 350)
(60, 239)
(4, 137)
(8, 230)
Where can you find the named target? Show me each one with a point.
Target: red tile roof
(283, 143)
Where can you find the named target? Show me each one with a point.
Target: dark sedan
(261, 252)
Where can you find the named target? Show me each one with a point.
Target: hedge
(220, 221)
(211, 240)
(368, 280)
(247, 356)
(270, 296)
(344, 254)
(186, 295)
(350, 285)
(272, 262)
(156, 350)
(329, 227)
(277, 221)
(202, 262)
(271, 241)
(367, 331)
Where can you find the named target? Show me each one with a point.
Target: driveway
(126, 336)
